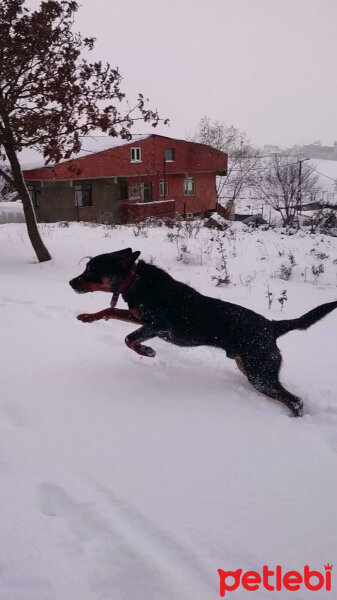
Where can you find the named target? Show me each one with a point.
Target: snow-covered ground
(126, 477)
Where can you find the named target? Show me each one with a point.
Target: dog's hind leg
(134, 339)
(262, 370)
(240, 365)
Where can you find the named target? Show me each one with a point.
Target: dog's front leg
(141, 335)
(111, 313)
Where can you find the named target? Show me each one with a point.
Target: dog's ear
(122, 253)
(126, 262)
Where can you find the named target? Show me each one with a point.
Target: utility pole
(299, 195)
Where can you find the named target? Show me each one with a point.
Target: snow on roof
(32, 159)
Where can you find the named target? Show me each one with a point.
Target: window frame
(169, 150)
(188, 192)
(134, 151)
(83, 187)
(163, 187)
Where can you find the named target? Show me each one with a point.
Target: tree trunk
(20, 185)
(28, 209)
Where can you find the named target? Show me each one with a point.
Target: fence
(11, 212)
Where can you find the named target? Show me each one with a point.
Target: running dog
(176, 313)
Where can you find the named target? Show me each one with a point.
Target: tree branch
(7, 177)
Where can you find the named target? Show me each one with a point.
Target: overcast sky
(265, 66)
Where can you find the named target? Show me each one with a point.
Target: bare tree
(285, 182)
(51, 95)
(243, 159)
(7, 190)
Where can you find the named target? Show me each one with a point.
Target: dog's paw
(297, 409)
(147, 351)
(143, 350)
(86, 318)
(140, 349)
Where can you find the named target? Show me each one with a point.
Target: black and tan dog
(177, 313)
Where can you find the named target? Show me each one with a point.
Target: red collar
(124, 286)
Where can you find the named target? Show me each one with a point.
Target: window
(123, 190)
(169, 154)
(147, 192)
(34, 195)
(163, 187)
(189, 186)
(140, 192)
(83, 195)
(136, 155)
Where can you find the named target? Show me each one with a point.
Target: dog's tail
(282, 327)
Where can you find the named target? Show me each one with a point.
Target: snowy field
(132, 478)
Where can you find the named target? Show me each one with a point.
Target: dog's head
(105, 273)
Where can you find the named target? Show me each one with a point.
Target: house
(155, 175)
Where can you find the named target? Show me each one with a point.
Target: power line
(323, 174)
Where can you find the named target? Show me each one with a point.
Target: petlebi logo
(275, 579)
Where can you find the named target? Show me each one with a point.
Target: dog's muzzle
(80, 286)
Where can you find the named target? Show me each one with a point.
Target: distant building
(316, 150)
(271, 149)
(155, 175)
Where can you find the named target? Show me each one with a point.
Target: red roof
(189, 157)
